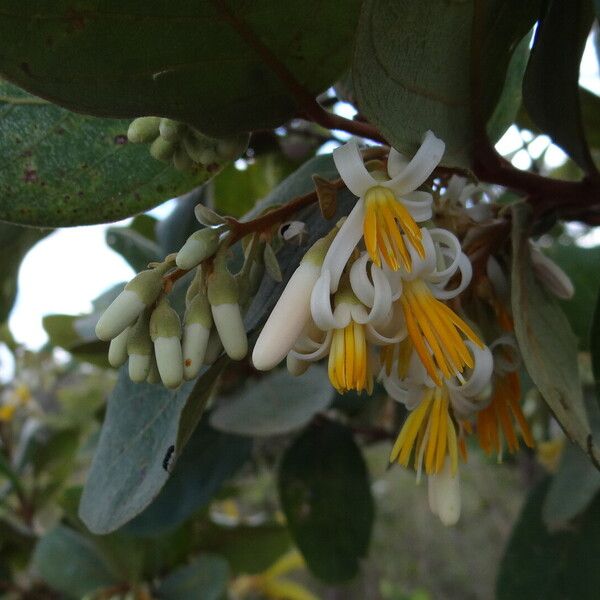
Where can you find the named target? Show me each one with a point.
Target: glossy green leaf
(15, 242)
(205, 578)
(539, 565)
(551, 84)
(546, 340)
(207, 461)
(182, 60)
(412, 65)
(277, 403)
(326, 497)
(582, 266)
(61, 168)
(70, 564)
(142, 423)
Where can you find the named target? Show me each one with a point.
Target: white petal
(320, 303)
(420, 266)
(449, 247)
(321, 351)
(466, 273)
(480, 375)
(344, 243)
(502, 362)
(382, 301)
(420, 167)
(352, 170)
(418, 204)
(397, 162)
(359, 280)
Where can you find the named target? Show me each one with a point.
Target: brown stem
(308, 106)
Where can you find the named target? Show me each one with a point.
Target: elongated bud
(196, 331)
(143, 130)
(162, 149)
(213, 348)
(139, 348)
(199, 246)
(295, 366)
(195, 146)
(117, 350)
(292, 311)
(181, 160)
(140, 292)
(223, 296)
(165, 331)
(444, 495)
(171, 130)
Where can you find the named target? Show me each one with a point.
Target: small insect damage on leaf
(30, 175)
(120, 140)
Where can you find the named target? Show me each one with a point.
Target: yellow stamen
(348, 359)
(435, 330)
(386, 219)
(428, 434)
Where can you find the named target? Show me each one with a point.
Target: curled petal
(320, 303)
(421, 267)
(449, 247)
(418, 204)
(359, 280)
(343, 245)
(319, 353)
(466, 273)
(480, 374)
(381, 304)
(508, 359)
(352, 170)
(420, 167)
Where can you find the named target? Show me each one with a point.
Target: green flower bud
(182, 160)
(171, 130)
(165, 331)
(141, 291)
(117, 350)
(162, 149)
(199, 246)
(198, 311)
(143, 130)
(139, 348)
(213, 348)
(195, 146)
(222, 286)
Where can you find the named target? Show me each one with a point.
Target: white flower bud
(143, 130)
(140, 292)
(444, 495)
(198, 323)
(165, 331)
(199, 246)
(117, 350)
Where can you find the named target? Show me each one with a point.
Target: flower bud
(195, 146)
(117, 350)
(199, 246)
(140, 292)
(139, 348)
(213, 348)
(165, 331)
(162, 149)
(196, 332)
(181, 160)
(223, 296)
(292, 311)
(444, 495)
(143, 130)
(171, 130)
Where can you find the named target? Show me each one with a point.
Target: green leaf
(577, 481)
(595, 346)
(582, 266)
(539, 565)
(412, 65)
(142, 423)
(134, 247)
(546, 340)
(208, 460)
(551, 84)
(15, 242)
(325, 495)
(70, 564)
(205, 578)
(61, 168)
(277, 403)
(182, 60)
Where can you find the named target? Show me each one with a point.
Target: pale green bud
(162, 149)
(171, 130)
(207, 157)
(165, 331)
(141, 291)
(182, 160)
(229, 324)
(213, 348)
(143, 130)
(195, 342)
(195, 146)
(117, 350)
(198, 311)
(199, 246)
(139, 348)
(222, 286)
(164, 322)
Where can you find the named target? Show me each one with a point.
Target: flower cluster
(378, 297)
(183, 146)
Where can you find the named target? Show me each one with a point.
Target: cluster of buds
(380, 296)
(183, 146)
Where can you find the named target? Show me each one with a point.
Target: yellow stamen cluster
(385, 221)
(428, 434)
(348, 359)
(496, 418)
(434, 329)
